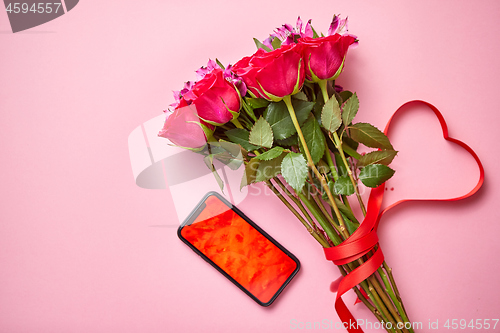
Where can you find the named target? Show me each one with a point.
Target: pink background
(77, 250)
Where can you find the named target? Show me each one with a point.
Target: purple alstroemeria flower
(288, 34)
(340, 26)
(235, 79)
(180, 93)
(202, 71)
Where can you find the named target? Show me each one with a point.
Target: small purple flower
(235, 80)
(304, 31)
(288, 34)
(179, 94)
(202, 71)
(339, 26)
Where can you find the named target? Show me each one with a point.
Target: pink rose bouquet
(296, 132)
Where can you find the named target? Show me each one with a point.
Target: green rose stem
(338, 144)
(396, 300)
(329, 161)
(373, 282)
(288, 101)
(315, 234)
(320, 217)
(351, 152)
(313, 208)
(343, 229)
(298, 204)
(393, 284)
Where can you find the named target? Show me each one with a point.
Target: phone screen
(239, 249)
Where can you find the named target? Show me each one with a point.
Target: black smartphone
(244, 253)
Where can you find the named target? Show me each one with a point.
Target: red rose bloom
(272, 75)
(185, 129)
(324, 56)
(217, 100)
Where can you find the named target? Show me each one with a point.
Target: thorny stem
(372, 279)
(338, 144)
(329, 161)
(313, 232)
(382, 307)
(396, 302)
(288, 101)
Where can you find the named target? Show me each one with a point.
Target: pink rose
(184, 128)
(324, 56)
(272, 75)
(217, 100)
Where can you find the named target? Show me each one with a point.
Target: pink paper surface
(84, 249)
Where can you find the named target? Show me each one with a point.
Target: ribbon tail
(351, 280)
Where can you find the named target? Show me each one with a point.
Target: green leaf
(270, 154)
(350, 109)
(260, 170)
(318, 107)
(290, 141)
(276, 43)
(330, 116)
(260, 45)
(346, 140)
(377, 157)
(241, 137)
(301, 95)
(209, 162)
(374, 175)
(323, 167)
(261, 134)
(294, 170)
(302, 109)
(343, 186)
(342, 207)
(346, 211)
(250, 173)
(257, 103)
(248, 109)
(345, 95)
(230, 147)
(278, 117)
(351, 227)
(232, 157)
(269, 169)
(315, 34)
(370, 136)
(220, 64)
(315, 140)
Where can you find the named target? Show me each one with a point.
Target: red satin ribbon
(364, 239)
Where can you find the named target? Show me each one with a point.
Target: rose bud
(324, 56)
(272, 75)
(217, 100)
(185, 129)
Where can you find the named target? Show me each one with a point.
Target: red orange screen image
(239, 249)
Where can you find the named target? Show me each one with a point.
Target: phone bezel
(192, 217)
